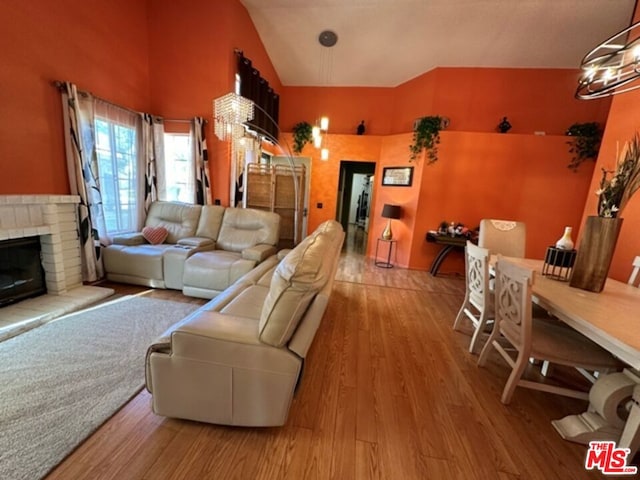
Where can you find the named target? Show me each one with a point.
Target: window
(178, 168)
(116, 149)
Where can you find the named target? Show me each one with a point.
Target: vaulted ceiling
(387, 42)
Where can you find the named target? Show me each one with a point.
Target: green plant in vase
(584, 144)
(302, 134)
(426, 136)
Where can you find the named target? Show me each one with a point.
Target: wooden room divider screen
(270, 187)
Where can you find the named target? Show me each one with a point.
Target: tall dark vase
(595, 252)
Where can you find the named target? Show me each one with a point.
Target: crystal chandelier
(612, 66)
(230, 112)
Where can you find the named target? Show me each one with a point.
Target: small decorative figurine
(504, 126)
(360, 130)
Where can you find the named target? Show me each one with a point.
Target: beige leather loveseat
(227, 242)
(237, 359)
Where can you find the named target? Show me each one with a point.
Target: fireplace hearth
(50, 222)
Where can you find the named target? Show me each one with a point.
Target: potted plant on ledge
(301, 136)
(585, 142)
(426, 136)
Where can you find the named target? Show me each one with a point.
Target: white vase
(565, 242)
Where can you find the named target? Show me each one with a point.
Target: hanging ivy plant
(584, 144)
(426, 136)
(301, 136)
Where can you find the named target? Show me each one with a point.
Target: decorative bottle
(565, 242)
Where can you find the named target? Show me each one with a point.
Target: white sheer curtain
(119, 147)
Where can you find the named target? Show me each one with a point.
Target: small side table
(388, 263)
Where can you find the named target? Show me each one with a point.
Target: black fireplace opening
(21, 273)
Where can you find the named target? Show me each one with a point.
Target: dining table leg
(602, 422)
(631, 434)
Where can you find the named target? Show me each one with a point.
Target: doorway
(355, 196)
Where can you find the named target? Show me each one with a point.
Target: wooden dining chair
(503, 237)
(536, 338)
(478, 300)
(633, 279)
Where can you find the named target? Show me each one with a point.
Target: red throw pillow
(155, 235)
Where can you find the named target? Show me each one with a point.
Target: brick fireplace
(53, 218)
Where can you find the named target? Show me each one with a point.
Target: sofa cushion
(247, 303)
(245, 227)
(215, 270)
(145, 261)
(180, 219)
(210, 221)
(296, 280)
(155, 235)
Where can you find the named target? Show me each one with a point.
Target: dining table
(611, 318)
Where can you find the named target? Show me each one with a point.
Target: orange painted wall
(102, 48)
(505, 176)
(346, 107)
(480, 175)
(413, 99)
(474, 99)
(622, 124)
(193, 62)
(533, 99)
(486, 167)
(394, 153)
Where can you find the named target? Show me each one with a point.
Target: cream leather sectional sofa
(206, 250)
(238, 358)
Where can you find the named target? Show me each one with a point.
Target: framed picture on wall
(397, 176)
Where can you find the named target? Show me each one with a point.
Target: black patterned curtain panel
(151, 150)
(83, 177)
(203, 184)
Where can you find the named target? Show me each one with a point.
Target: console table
(448, 243)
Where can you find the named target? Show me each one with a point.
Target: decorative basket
(558, 263)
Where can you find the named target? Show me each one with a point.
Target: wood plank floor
(389, 392)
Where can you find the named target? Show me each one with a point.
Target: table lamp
(390, 212)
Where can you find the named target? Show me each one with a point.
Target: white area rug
(61, 381)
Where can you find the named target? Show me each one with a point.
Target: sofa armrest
(204, 242)
(129, 239)
(215, 326)
(258, 253)
(283, 253)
